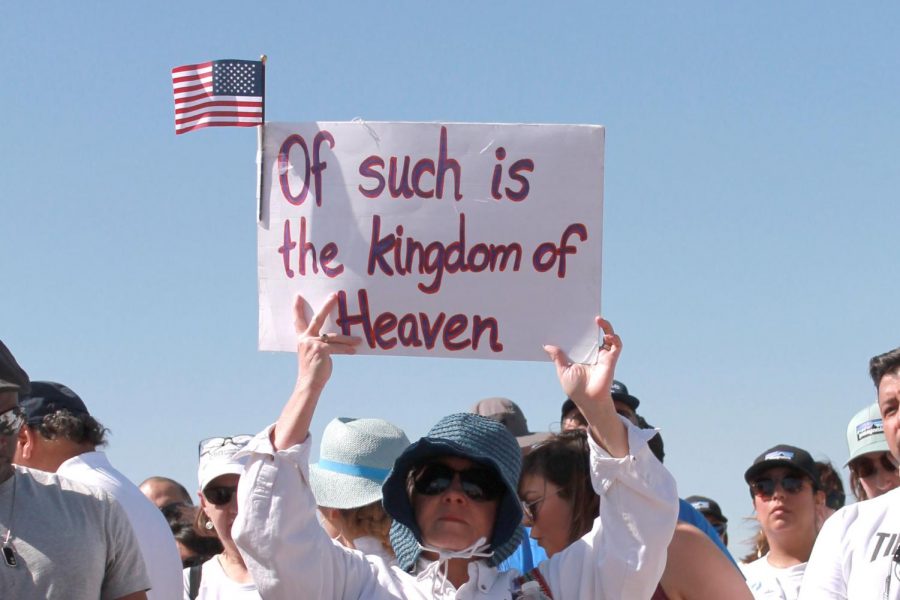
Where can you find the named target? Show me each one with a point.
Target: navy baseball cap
(784, 455)
(619, 392)
(47, 397)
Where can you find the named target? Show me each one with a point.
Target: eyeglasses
(865, 466)
(720, 528)
(532, 509)
(479, 484)
(219, 495)
(765, 487)
(210, 444)
(11, 420)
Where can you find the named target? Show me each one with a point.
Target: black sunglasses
(864, 466)
(765, 487)
(478, 483)
(219, 495)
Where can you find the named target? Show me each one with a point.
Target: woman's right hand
(315, 347)
(314, 350)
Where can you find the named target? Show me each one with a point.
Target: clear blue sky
(751, 208)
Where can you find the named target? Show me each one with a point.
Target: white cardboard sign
(457, 239)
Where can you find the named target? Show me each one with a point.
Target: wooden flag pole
(260, 141)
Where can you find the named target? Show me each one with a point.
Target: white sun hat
(355, 458)
(217, 458)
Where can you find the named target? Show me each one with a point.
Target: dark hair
(80, 429)
(831, 484)
(564, 460)
(859, 492)
(881, 365)
(181, 518)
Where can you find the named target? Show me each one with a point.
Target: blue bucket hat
(479, 439)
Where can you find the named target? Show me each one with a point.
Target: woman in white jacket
(453, 496)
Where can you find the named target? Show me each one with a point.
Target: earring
(208, 525)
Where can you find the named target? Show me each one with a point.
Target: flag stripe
(205, 74)
(213, 124)
(247, 106)
(220, 113)
(180, 91)
(197, 67)
(212, 121)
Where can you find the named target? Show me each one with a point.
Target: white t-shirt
(150, 527)
(853, 555)
(215, 584)
(772, 583)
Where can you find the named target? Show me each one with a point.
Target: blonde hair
(369, 520)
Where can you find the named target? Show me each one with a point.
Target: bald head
(162, 491)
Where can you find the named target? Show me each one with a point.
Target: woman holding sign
(453, 497)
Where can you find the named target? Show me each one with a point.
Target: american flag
(218, 93)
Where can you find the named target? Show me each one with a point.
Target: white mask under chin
(480, 549)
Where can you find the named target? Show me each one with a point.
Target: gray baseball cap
(865, 433)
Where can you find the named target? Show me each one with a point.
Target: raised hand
(314, 366)
(315, 347)
(580, 381)
(589, 387)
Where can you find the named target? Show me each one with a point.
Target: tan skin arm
(697, 570)
(589, 387)
(313, 371)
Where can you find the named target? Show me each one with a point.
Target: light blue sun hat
(355, 458)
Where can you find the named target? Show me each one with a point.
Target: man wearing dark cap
(710, 509)
(787, 496)
(59, 539)
(60, 436)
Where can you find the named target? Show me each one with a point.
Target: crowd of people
(479, 507)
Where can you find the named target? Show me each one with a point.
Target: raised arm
(314, 350)
(287, 552)
(589, 387)
(624, 555)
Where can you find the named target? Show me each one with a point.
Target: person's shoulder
(66, 489)
(865, 514)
